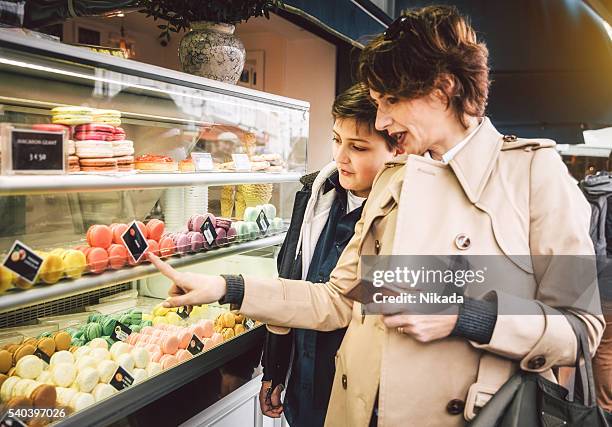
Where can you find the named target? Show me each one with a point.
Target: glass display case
(94, 148)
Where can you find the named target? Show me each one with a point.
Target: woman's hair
(355, 103)
(419, 50)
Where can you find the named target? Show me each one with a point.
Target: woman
(323, 221)
(473, 191)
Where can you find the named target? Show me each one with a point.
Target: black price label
(122, 379)
(195, 345)
(37, 151)
(120, 332)
(135, 242)
(182, 312)
(42, 355)
(208, 230)
(22, 261)
(262, 222)
(12, 421)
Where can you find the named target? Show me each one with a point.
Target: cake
(157, 163)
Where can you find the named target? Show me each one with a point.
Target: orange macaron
(118, 230)
(155, 229)
(99, 236)
(97, 259)
(117, 256)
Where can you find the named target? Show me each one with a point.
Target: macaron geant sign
(135, 242)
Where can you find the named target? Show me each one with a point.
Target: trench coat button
(536, 362)
(463, 242)
(344, 381)
(455, 406)
(510, 138)
(377, 247)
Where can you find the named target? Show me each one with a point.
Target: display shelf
(41, 293)
(583, 150)
(12, 185)
(130, 400)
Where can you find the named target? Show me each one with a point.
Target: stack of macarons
(111, 117)
(10, 355)
(94, 147)
(101, 326)
(72, 115)
(223, 229)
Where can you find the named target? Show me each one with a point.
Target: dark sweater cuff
(476, 320)
(234, 290)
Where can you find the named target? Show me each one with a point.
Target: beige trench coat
(510, 197)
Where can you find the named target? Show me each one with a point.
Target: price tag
(121, 379)
(195, 345)
(37, 151)
(11, 421)
(135, 242)
(208, 230)
(182, 312)
(203, 162)
(120, 332)
(262, 222)
(241, 162)
(42, 355)
(22, 261)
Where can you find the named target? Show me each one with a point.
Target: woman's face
(417, 124)
(360, 154)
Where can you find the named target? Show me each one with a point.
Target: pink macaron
(208, 327)
(184, 338)
(166, 246)
(118, 230)
(197, 240)
(153, 247)
(153, 348)
(216, 338)
(169, 344)
(117, 256)
(168, 361)
(182, 242)
(183, 355)
(223, 223)
(99, 236)
(208, 344)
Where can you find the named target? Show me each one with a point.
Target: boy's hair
(355, 103)
(421, 47)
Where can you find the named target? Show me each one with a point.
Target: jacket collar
(475, 162)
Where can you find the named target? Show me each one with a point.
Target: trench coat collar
(474, 163)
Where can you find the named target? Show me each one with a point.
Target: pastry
(6, 361)
(44, 396)
(93, 136)
(118, 230)
(239, 328)
(123, 147)
(19, 402)
(75, 263)
(106, 370)
(221, 236)
(117, 256)
(153, 247)
(152, 162)
(182, 243)
(197, 240)
(99, 236)
(187, 165)
(29, 367)
(71, 148)
(21, 387)
(87, 379)
(112, 117)
(118, 349)
(6, 391)
(52, 268)
(139, 375)
(98, 343)
(125, 163)
(195, 222)
(207, 328)
(85, 362)
(6, 279)
(155, 229)
(167, 361)
(184, 338)
(93, 149)
(73, 164)
(93, 330)
(81, 401)
(154, 368)
(72, 115)
(22, 351)
(102, 391)
(169, 344)
(99, 165)
(108, 326)
(97, 259)
(47, 346)
(62, 357)
(223, 223)
(183, 355)
(65, 395)
(126, 361)
(118, 134)
(62, 340)
(3, 378)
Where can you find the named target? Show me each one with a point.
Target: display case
(100, 154)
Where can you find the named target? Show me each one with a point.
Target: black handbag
(529, 400)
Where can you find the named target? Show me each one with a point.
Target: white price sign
(202, 162)
(242, 162)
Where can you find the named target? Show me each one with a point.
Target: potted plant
(210, 48)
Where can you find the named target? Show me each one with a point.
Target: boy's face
(360, 154)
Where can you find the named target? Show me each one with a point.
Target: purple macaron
(183, 243)
(197, 240)
(224, 223)
(221, 236)
(231, 234)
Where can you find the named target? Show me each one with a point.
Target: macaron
(250, 214)
(99, 236)
(63, 374)
(197, 241)
(50, 127)
(62, 357)
(153, 247)
(106, 370)
(47, 346)
(139, 375)
(6, 361)
(75, 263)
(216, 338)
(81, 401)
(183, 355)
(95, 127)
(52, 268)
(195, 222)
(6, 391)
(221, 236)
(6, 279)
(118, 134)
(166, 246)
(103, 391)
(94, 149)
(93, 136)
(184, 338)
(182, 243)
(87, 379)
(207, 327)
(223, 223)
(23, 351)
(155, 229)
(29, 367)
(118, 230)
(117, 256)
(108, 326)
(232, 235)
(143, 229)
(169, 344)
(270, 210)
(62, 340)
(141, 357)
(167, 361)
(97, 259)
